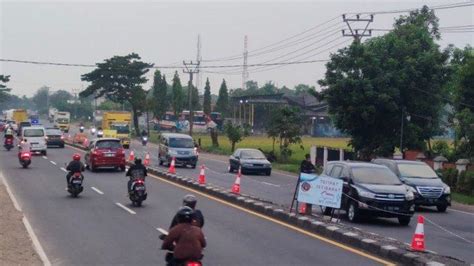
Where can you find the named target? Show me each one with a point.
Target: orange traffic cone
(236, 185)
(146, 162)
(202, 176)
(172, 169)
(131, 157)
(418, 242)
(302, 208)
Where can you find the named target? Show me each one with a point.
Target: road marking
(12, 197)
(125, 208)
(468, 213)
(36, 244)
(324, 239)
(44, 157)
(270, 184)
(53, 162)
(98, 191)
(64, 170)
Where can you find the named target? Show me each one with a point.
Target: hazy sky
(165, 33)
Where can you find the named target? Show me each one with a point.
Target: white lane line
(125, 208)
(44, 157)
(36, 244)
(64, 170)
(52, 162)
(270, 184)
(98, 191)
(468, 213)
(12, 197)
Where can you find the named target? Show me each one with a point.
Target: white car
(36, 136)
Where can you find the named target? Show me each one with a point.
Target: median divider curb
(376, 245)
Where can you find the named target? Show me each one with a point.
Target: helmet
(185, 215)
(76, 157)
(138, 161)
(190, 201)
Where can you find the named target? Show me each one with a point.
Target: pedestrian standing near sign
(306, 165)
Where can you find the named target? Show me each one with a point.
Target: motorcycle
(144, 140)
(25, 159)
(8, 144)
(100, 134)
(75, 184)
(81, 129)
(138, 192)
(169, 254)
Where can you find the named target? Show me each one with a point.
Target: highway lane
(92, 229)
(279, 189)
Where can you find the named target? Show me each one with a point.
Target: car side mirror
(345, 179)
(237, 157)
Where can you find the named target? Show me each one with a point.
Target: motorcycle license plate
(140, 188)
(76, 181)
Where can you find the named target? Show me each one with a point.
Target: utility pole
(191, 69)
(198, 59)
(357, 34)
(245, 72)
(75, 91)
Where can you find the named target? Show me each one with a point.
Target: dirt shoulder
(16, 247)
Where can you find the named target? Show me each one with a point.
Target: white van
(36, 136)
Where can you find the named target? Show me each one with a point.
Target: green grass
(464, 199)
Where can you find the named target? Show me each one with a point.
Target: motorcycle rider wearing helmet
(190, 201)
(24, 147)
(138, 170)
(185, 239)
(74, 166)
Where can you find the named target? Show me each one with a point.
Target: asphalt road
(94, 229)
(450, 233)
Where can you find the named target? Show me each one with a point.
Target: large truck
(62, 120)
(20, 115)
(118, 122)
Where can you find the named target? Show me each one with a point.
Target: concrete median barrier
(376, 245)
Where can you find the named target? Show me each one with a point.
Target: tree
(207, 98)
(178, 96)
(3, 88)
(41, 100)
(235, 133)
(59, 99)
(372, 87)
(285, 125)
(222, 104)
(195, 99)
(120, 79)
(302, 88)
(160, 97)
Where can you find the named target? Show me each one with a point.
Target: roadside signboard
(320, 190)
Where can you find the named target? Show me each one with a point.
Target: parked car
(429, 189)
(36, 136)
(372, 190)
(178, 146)
(22, 125)
(54, 137)
(250, 161)
(105, 152)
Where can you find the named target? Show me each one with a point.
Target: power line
(440, 7)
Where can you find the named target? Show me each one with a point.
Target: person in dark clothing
(138, 170)
(144, 133)
(74, 166)
(185, 240)
(306, 165)
(190, 201)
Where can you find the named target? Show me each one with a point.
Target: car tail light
(45, 137)
(95, 152)
(62, 137)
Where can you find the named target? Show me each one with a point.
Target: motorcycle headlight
(447, 190)
(145, 138)
(366, 194)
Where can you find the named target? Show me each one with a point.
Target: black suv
(372, 190)
(428, 188)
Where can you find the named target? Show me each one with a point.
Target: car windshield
(53, 132)
(121, 128)
(374, 175)
(252, 154)
(109, 144)
(181, 143)
(416, 171)
(33, 132)
(62, 120)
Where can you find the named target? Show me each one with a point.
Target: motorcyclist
(73, 167)
(8, 132)
(190, 201)
(185, 239)
(144, 133)
(307, 166)
(24, 147)
(138, 170)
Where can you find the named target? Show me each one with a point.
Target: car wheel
(122, 168)
(442, 208)
(44, 153)
(231, 169)
(193, 166)
(404, 220)
(353, 212)
(268, 172)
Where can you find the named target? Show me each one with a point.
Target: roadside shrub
(466, 183)
(449, 176)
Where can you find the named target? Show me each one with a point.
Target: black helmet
(185, 215)
(190, 201)
(138, 161)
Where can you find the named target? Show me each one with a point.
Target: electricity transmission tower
(191, 69)
(357, 34)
